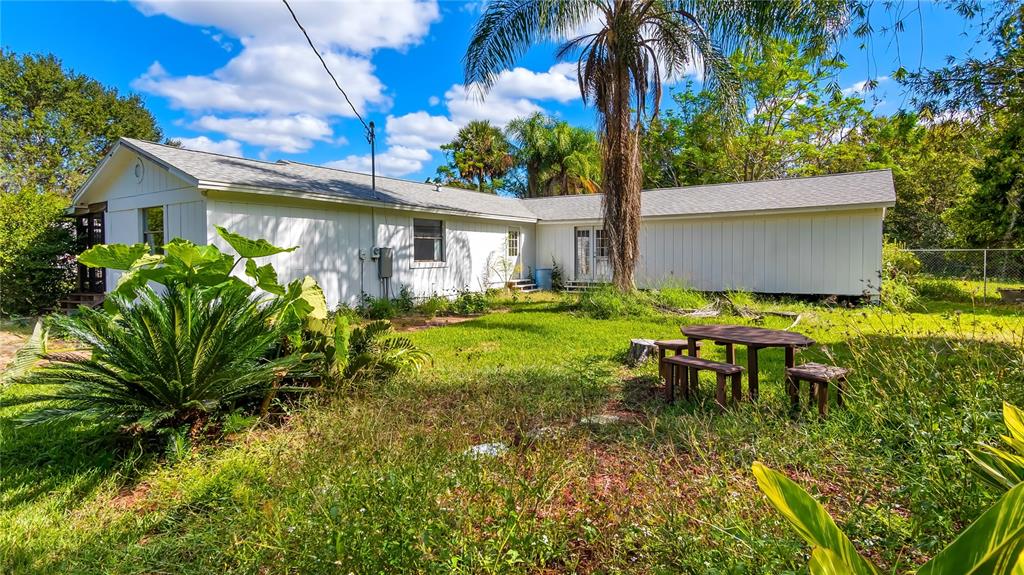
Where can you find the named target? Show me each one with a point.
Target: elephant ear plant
(992, 545)
(202, 344)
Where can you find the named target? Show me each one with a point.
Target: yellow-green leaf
(991, 545)
(825, 562)
(250, 248)
(810, 519)
(113, 256)
(1014, 419)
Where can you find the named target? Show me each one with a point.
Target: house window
(428, 240)
(600, 243)
(512, 243)
(153, 229)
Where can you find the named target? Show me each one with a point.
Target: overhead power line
(371, 136)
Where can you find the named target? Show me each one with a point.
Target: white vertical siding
(126, 195)
(837, 252)
(331, 235)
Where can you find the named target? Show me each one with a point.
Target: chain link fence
(992, 268)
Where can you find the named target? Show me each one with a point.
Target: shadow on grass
(67, 458)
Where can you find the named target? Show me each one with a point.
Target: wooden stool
(678, 347)
(684, 363)
(817, 376)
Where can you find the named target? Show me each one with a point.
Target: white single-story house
(813, 235)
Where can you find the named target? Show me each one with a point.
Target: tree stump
(640, 350)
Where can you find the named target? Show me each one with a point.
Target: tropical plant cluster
(182, 340)
(993, 544)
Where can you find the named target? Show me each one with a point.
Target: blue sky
(236, 77)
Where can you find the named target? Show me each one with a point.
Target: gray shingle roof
(848, 190)
(307, 178)
(852, 189)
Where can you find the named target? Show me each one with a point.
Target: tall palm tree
(620, 67)
(530, 136)
(574, 160)
(559, 158)
(480, 154)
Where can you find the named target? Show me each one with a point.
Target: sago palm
(620, 66)
(160, 360)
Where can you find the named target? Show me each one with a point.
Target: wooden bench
(685, 363)
(676, 346)
(818, 376)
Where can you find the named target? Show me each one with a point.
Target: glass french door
(591, 252)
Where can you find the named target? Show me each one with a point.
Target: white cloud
(274, 93)
(290, 134)
(861, 87)
(227, 147)
(218, 39)
(277, 79)
(359, 27)
(434, 100)
(420, 129)
(514, 94)
(396, 161)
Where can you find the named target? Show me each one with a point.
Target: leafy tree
(55, 126)
(620, 66)
(479, 157)
(793, 122)
(991, 215)
(558, 159)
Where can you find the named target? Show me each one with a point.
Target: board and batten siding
(836, 252)
(127, 195)
(330, 237)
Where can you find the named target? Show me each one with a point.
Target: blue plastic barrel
(542, 277)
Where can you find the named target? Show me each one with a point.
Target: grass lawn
(379, 482)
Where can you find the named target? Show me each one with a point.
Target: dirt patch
(129, 499)
(10, 343)
(420, 323)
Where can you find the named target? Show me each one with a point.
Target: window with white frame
(600, 243)
(153, 229)
(512, 243)
(428, 240)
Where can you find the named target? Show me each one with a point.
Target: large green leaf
(991, 545)
(825, 562)
(249, 248)
(113, 256)
(1014, 419)
(265, 276)
(27, 355)
(810, 519)
(999, 468)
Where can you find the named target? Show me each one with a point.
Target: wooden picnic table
(755, 338)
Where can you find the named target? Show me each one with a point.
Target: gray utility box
(386, 263)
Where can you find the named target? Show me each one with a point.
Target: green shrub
(161, 360)
(376, 308)
(941, 290)
(897, 261)
(404, 303)
(678, 297)
(606, 302)
(434, 305)
(34, 244)
(899, 267)
(469, 303)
